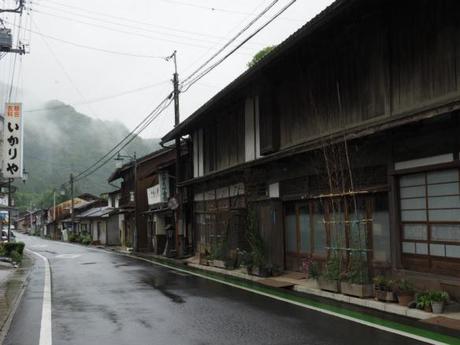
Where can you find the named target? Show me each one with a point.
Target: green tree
(260, 55)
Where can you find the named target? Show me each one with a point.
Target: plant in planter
(313, 270)
(383, 289)
(231, 261)
(217, 256)
(404, 289)
(438, 299)
(423, 301)
(330, 277)
(259, 264)
(356, 281)
(244, 258)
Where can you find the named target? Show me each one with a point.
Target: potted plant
(313, 271)
(204, 253)
(330, 277)
(383, 289)
(231, 261)
(423, 301)
(438, 299)
(356, 281)
(259, 266)
(405, 292)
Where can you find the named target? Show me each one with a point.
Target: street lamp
(133, 195)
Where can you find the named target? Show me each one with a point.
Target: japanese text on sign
(12, 141)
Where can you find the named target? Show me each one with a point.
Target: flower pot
(329, 285)
(259, 271)
(405, 299)
(384, 296)
(218, 263)
(437, 307)
(357, 290)
(204, 261)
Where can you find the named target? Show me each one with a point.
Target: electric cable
(113, 52)
(133, 133)
(110, 156)
(234, 38)
(209, 69)
(96, 100)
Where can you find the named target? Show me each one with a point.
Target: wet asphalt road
(103, 298)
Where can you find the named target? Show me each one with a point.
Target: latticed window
(430, 213)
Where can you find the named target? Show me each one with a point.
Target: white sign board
(153, 195)
(159, 193)
(12, 141)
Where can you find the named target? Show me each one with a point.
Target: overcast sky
(195, 28)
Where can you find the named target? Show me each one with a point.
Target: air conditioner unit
(6, 39)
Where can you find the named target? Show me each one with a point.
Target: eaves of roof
(308, 29)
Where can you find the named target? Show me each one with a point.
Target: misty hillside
(60, 141)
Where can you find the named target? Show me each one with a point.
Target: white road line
(46, 333)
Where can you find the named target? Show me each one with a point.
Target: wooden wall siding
(269, 123)
(366, 67)
(224, 140)
(335, 82)
(440, 133)
(425, 61)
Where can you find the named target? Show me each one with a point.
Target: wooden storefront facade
(346, 134)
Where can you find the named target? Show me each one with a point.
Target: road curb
(5, 326)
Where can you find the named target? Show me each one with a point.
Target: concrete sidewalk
(12, 284)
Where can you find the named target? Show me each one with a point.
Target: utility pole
(5, 34)
(7, 47)
(135, 242)
(178, 153)
(72, 201)
(54, 205)
(9, 209)
(14, 10)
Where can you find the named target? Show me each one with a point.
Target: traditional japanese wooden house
(344, 138)
(155, 174)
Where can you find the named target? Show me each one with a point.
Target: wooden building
(347, 132)
(152, 216)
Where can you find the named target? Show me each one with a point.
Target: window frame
(428, 222)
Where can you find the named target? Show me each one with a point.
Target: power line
(100, 99)
(234, 38)
(169, 2)
(209, 69)
(123, 31)
(130, 26)
(77, 90)
(113, 52)
(116, 149)
(133, 133)
(90, 171)
(102, 14)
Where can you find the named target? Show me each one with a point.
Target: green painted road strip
(416, 333)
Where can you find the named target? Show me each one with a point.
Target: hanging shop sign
(12, 141)
(159, 193)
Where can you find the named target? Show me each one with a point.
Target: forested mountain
(60, 140)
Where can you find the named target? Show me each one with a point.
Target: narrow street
(110, 299)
